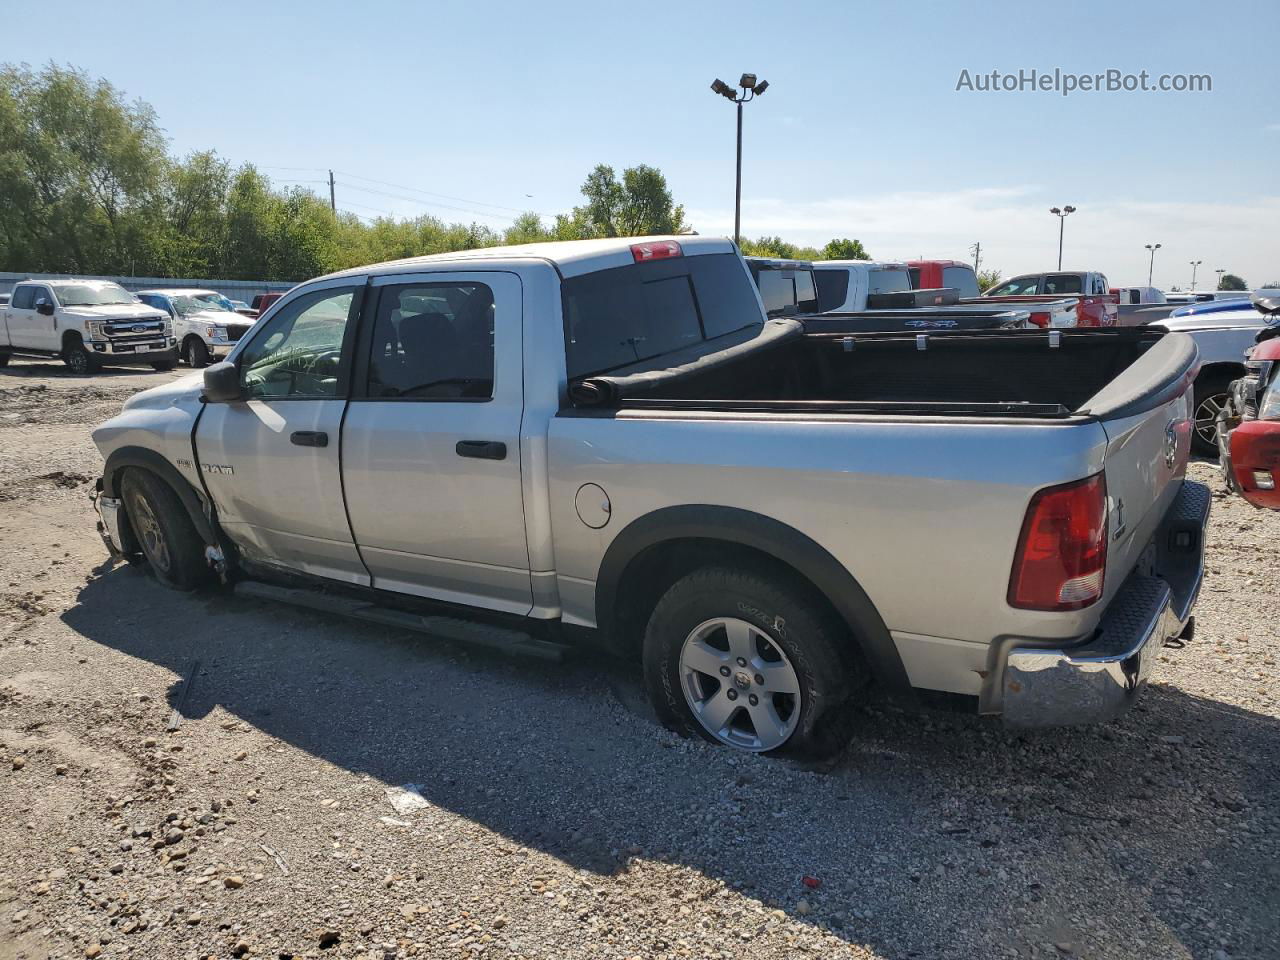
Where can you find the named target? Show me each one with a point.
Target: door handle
(482, 449)
(309, 438)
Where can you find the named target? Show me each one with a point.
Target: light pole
(1220, 271)
(1153, 247)
(1194, 265)
(751, 88)
(1062, 216)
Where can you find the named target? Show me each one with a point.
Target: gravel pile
(338, 790)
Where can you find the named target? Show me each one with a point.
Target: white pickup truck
(608, 441)
(87, 323)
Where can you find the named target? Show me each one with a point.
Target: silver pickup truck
(609, 441)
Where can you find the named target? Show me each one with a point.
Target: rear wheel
(195, 352)
(4, 359)
(1210, 397)
(748, 660)
(79, 360)
(172, 548)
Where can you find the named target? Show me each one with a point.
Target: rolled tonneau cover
(605, 390)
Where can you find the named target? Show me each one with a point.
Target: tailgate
(1147, 415)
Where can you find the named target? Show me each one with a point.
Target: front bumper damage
(1099, 677)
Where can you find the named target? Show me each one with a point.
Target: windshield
(188, 305)
(222, 302)
(96, 295)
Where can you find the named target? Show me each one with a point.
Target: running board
(515, 643)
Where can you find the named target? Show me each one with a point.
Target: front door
(271, 461)
(431, 444)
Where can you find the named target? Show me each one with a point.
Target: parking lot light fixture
(751, 88)
(1062, 215)
(1153, 247)
(1195, 265)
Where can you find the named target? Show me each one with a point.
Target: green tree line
(87, 186)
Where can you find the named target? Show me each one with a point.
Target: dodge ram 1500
(608, 440)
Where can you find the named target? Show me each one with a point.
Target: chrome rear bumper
(1099, 678)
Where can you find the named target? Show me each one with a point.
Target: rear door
(271, 461)
(431, 443)
(20, 316)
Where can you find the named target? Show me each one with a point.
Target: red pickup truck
(1096, 306)
(936, 274)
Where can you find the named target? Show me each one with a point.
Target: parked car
(848, 285)
(1223, 338)
(1137, 296)
(608, 440)
(1249, 429)
(204, 328)
(87, 323)
(242, 308)
(4, 299)
(262, 301)
(1094, 305)
(787, 287)
(933, 274)
(1205, 296)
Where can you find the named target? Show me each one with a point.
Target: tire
(163, 365)
(170, 545)
(753, 626)
(4, 359)
(1209, 396)
(80, 361)
(195, 352)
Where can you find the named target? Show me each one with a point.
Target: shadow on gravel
(936, 823)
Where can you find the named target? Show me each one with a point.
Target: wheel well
(1215, 371)
(653, 572)
(71, 338)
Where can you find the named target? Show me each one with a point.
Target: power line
(430, 193)
(426, 203)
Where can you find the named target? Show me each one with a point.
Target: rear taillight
(658, 250)
(1040, 318)
(1062, 552)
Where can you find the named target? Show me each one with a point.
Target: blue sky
(477, 110)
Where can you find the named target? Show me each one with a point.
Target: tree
(845, 250)
(1230, 281)
(1271, 285)
(777, 247)
(638, 205)
(988, 279)
(526, 228)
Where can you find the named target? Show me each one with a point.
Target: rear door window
(833, 288)
(24, 298)
(962, 278)
(620, 316)
(1059, 283)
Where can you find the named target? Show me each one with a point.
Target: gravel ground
(553, 818)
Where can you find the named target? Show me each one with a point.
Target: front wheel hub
(740, 685)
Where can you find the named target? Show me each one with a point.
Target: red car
(1250, 452)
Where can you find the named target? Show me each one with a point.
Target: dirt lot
(556, 818)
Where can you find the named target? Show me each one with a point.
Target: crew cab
(1095, 305)
(87, 323)
(205, 329)
(608, 441)
(933, 274)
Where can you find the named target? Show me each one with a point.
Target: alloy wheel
(739, 684)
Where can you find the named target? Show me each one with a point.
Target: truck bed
(1029, 373)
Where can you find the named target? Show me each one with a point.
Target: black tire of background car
(814, 639)
(4, 359)
(1218, 385)
(163, 365)
(186, 568)
(195, 352)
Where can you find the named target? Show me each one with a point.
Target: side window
(44, 293)
(299, 354)
(433, 341)
(24, 298)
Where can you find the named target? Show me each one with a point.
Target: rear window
(617, 317)
(888, 281)
(833, 288)
(962, 278)
(1056, 283)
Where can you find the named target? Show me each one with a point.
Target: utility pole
(976, 250)
(333, 203)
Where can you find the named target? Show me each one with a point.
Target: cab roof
(571, 257)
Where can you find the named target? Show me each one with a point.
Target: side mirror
(222, 383)
(44, 307)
